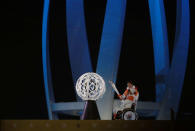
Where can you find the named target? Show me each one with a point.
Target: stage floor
(93, 125)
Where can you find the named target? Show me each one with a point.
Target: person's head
(130, 84)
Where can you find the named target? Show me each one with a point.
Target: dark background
(21, 88)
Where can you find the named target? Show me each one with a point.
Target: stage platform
(90, 125)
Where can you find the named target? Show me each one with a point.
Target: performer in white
(128, 99)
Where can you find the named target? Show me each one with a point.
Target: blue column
(179, 60)
(109, 53)
(46, 61)
(77, 39)
(160, 45)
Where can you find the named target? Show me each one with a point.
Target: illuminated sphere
(90, 86)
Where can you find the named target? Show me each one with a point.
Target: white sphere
(90, 86)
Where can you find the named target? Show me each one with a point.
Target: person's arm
(122, 97)
(126, 93)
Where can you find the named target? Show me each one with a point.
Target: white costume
(129, 97)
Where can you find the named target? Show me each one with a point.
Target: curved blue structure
(169, 78)
(179, 61)
(109, 53)
(160, 45)
(79, 55)
(46, 62)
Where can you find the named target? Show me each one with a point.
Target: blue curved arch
(46, 61)
(79, 55)
(179, 60)
(160, 45)
(109, 52)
